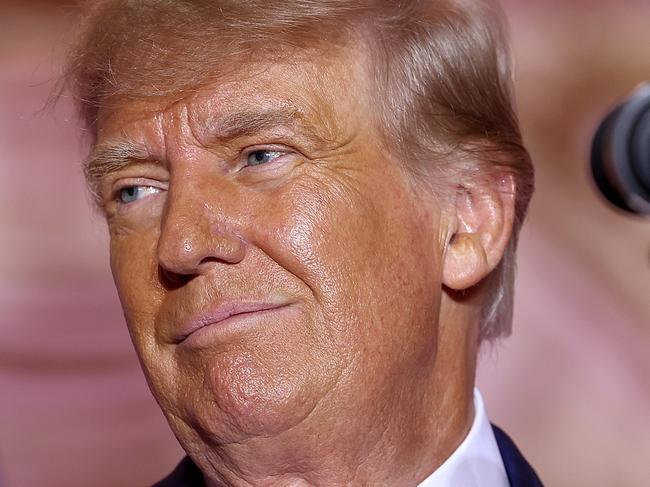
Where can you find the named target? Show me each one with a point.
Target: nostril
(217, 260)
(171, 280)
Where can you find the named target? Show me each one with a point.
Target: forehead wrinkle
(248, 122)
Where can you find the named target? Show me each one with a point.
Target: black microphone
(620, 154)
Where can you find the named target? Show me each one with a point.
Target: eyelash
(134, 183)
(271, 150)
(135, 187)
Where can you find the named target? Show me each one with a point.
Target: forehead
(330, 92)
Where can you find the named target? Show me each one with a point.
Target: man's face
(279, 273)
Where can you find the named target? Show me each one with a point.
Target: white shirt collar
(477, 461)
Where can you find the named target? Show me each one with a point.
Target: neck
(401, 444)
(402, 453)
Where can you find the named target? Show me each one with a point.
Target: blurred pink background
(572, 385)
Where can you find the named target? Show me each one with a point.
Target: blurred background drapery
(572, 385)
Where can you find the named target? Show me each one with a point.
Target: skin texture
(363, 374)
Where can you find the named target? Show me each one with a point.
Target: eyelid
(281, 149)
(267, 147)
(122, 183)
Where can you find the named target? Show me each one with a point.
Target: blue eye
(262, 156)
(133, 193)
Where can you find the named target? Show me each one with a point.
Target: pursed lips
(222, 312)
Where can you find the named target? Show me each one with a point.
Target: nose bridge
(199, 228)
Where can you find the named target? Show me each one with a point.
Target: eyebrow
(110, 157)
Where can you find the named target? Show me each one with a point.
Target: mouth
(197, 330)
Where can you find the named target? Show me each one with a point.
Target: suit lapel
(519, 471)
(186, 474)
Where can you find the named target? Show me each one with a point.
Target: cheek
(134, 268)
(317, 229)
(364, 250)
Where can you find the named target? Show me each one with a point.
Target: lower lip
(212, 333)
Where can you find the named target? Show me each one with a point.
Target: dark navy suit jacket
(520, 473)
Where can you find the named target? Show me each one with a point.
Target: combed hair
(441, 70)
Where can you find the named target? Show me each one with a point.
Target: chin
(245, 399)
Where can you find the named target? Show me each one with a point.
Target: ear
(480, 230)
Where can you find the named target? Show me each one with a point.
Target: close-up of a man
(313, 209)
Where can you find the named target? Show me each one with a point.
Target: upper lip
(220, 313)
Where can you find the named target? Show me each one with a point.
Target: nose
(196, 235)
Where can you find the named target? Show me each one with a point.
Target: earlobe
(465, 262)
(483, 222)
